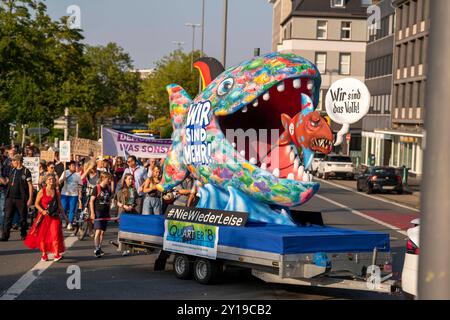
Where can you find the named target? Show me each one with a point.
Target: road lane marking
(359, 213)
(33, 274)
(370, 196)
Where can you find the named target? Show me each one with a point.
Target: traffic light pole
(434, 258)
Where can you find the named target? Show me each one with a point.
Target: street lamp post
(202, 43)
(203, 27)
(434, 259)
(193, 25)
(224, 35)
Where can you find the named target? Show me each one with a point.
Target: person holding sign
(70, 193)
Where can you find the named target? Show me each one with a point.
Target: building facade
(330, 33)
(379, 81)
(409, 81)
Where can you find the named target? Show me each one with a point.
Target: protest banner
(32, 164)
(86, 147)
(48, 156)
(116, 143)
(64, 151)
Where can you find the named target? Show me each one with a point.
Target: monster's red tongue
(281, 161)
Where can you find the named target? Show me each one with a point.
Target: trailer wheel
(206, 271)
(182, 267)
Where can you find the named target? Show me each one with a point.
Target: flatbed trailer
(309, 255)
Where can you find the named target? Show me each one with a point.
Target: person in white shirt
(70, 192)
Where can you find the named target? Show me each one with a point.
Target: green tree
(163, 126)
(110, 87)
(40, 60)
(173, 68)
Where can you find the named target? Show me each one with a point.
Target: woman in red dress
(46, 233)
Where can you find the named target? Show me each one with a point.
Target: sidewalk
(411, 200)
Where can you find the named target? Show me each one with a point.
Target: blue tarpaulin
(275, 238)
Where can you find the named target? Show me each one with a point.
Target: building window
(322, 29)
(321, 62)
(344, 63)
(337, 3)
(346, 30)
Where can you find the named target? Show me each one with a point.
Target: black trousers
(11, 205)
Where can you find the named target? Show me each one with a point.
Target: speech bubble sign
(347, 102)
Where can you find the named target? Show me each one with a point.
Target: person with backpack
(100, 203)
(46, 233)
(70, 184)
(19, 197)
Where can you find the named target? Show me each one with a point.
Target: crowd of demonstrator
(66, 189)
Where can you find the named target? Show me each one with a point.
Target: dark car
(379, 179)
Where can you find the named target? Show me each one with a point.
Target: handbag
(53, 207)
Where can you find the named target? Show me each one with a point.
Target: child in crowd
(100, 203)
(127, 196)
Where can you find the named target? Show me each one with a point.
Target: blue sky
(146, 28)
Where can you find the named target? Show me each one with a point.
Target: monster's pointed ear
(285, 121)
(285, 137)
(209, 69)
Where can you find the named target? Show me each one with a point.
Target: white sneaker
(69, 227)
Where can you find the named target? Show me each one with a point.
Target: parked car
(334, 166)
(411, 264)
(379, 179)
(316, 161)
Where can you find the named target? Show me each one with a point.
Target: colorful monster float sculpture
(275, 92)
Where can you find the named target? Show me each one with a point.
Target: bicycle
(82, 225)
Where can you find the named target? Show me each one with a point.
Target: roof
(322, 8)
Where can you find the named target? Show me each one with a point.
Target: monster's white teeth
(300, 172)
(297, 83)
(255, 103)
(310, 85)
(253, 161)
(281, 87)
(244, 109)
(276, 172)
(291, 176)
(264, 166)
(306, 177)
(292, 155)
(242, 153)
(296, 164)
(266, 96)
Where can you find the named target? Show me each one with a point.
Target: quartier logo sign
(206, 216)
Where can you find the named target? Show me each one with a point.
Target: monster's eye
(314, 124)
(225, 87)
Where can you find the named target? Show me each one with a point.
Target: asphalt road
(132, 277)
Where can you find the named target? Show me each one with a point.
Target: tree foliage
(162, 125)
(173, 68)
(109, 88)
(45, 67)
(39, 58)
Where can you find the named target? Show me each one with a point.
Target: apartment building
(379, 81)
(409, 81)
(330, 33)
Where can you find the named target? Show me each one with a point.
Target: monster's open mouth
(260, 122)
